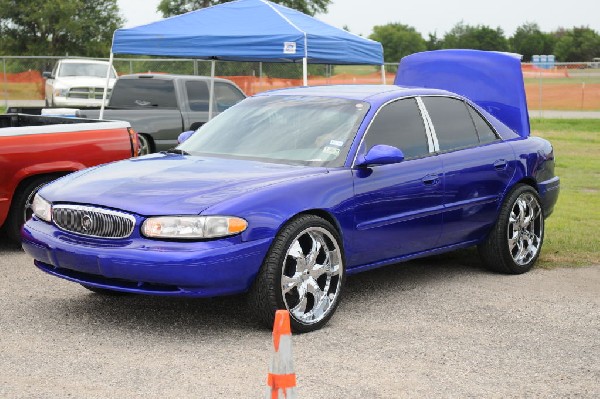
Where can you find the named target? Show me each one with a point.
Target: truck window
(226, 96)
(84, 69)
(197, 94)
(143, 93)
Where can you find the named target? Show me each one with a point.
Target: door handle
(500, 164)
(431, 180)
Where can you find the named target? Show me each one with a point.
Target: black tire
(266, 295)
(20, 208)
(503, 250)
(103, 291)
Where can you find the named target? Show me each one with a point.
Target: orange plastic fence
(25, 77)
(252, 84)
(563, 96)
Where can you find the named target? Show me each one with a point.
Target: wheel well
(530, 182)
(325, 215)
(25, 181)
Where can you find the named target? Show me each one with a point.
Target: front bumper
(66, 102)
(142, 266)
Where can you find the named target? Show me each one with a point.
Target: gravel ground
(429, 328)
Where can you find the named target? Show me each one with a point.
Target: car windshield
(84, 69)
(301, 130)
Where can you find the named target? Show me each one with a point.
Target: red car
(35, 150)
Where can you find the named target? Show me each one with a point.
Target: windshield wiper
(175, 151)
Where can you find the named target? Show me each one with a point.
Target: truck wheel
(20, 208)
(515, 242)
(303, 272)
(145, 144)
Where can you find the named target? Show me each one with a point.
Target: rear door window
(484, 131)
(197, 94)
(144, 93)
(453, 125)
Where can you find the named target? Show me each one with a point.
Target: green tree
(169, 8)
(398, 40)
(434, 42)
(58, 27)
(529, 40)
(577, 44)
(478, 37)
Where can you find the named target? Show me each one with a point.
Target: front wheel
(303, 272)
(514, 244)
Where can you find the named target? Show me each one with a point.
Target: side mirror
(184, 136)
(47, 75)
(380, 154)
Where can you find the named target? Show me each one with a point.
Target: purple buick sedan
(285, 194)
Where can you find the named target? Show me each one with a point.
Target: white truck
(77, 83)
(595, 63)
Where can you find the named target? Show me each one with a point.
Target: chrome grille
(93, 222)
(92, 93)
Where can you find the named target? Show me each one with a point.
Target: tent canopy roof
(248, 30)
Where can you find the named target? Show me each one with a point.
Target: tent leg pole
(383, 77)
(305, 71)
(110, 63)
(212, 89)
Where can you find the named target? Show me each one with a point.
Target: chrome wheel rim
(144, 145)
(311, 275)
(525, 229)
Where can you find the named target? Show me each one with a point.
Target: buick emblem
(86, 223)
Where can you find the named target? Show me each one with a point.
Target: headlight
(193, 227)
(42, 208)
(61, 92)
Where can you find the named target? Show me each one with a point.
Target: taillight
(133, 140)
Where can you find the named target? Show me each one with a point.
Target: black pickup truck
(159, 107)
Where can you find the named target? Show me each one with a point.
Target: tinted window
(485, 132)
(197, 93)
(226, 96)
(143, 93)
(453, 124)
(399, 124)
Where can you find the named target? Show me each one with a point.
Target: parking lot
(439, 327)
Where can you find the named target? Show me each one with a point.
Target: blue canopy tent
(248, 30)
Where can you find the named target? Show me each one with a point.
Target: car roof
(368, 93)
(82, 60)
(167, 76)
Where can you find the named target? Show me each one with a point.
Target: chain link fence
(563, 87)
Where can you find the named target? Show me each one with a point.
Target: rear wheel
(145, 144)
(514, 244)
(303, 273)
(20, 208)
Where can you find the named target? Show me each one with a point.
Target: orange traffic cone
(282, 379)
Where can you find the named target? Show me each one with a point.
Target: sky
(428, 16)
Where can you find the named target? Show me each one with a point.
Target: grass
(356, 69)
(575, 79)
(572, 230)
